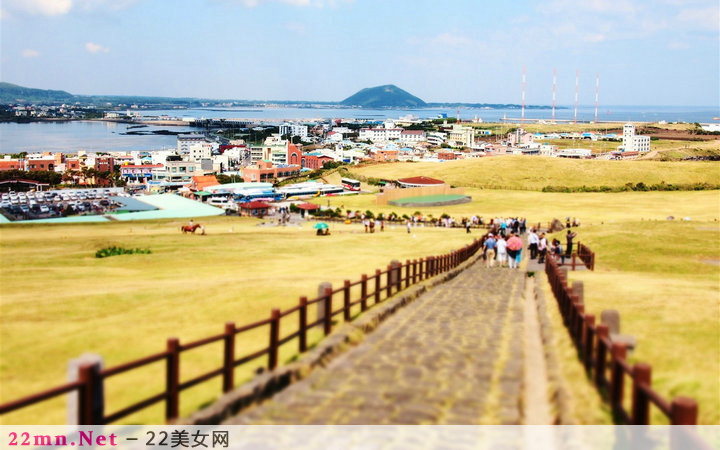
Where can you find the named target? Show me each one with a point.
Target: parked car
(44, 209)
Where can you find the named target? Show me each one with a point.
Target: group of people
(371, 224)
(496, 247)
(539, 247)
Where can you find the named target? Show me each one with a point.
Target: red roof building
(419, 182)
(257, 209)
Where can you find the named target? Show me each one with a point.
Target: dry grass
(544, 206)
(522, 172)
(662, 279)
(58, 301)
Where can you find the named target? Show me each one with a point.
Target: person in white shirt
(533, 240)
(501, 249)
(542, 248)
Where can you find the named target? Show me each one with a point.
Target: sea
(71, 136)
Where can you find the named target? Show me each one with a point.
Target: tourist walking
(569, 243)
(533, 240)
(514, 247)
(542, 248)
(502, 250)
(489, 248)
(409, 225)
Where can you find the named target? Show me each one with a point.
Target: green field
(664, 279)
(59, 301)
(534, 173)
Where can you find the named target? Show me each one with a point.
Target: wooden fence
(373, 289)
(586, 255)
(601, 356)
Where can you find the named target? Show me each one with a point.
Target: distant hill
(12, 93)
(387, 96)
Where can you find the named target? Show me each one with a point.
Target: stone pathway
(454, 356)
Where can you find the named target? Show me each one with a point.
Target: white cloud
(40, 7)
(296, 3)
(60, 7)
(708, 18)
(30, 53)
(95, 48)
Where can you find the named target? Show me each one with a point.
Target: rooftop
(420, 180)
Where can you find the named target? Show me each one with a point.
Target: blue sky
(662, 52)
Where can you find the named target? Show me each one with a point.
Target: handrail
(594, 344)
(133, 364)
(40, 396)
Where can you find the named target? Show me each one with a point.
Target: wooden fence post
(274, 338)
(172, 404)
(617, 380)
(363, 292)
(640, 402)
(302, 326)
(684, 411)
(388, 288)
(377, 286)
(346, 301)
(229, 357)
(420, 267)
(327, 322)
(601, 359)
(589, 340)
(407, 273)
(414, 271)
(90, 409)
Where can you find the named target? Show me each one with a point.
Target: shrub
(115, 250)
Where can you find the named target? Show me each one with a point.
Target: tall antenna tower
(597, 92)
(458, 115)
(577, 77)
(522, 116)
(554, 89)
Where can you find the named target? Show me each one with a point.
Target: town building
(315, 160)
(632, 142)
(140, 173)
(185, 141)
(412, 136)
(420, 181)
(460, 136)
(294, 130)
(267, 171)
(8, 163)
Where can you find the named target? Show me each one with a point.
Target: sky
(660, 52)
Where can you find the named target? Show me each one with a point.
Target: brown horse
(189, 229)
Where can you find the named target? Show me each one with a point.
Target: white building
(632, 142)
(460, 136)
(380, 134)
(184, 141)
(412, 136)
(436, 138)
(294, 130)
(200, 150)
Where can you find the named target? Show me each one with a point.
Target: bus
(350, 184)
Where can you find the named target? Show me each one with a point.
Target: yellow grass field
(59, 301)
(522, 172)
(544, 206)
(664, 279)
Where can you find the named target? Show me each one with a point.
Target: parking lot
(31, 205)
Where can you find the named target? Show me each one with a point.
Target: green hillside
(385, 96)
(12, 93)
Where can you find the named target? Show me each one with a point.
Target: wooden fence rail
(602, 356)
(90, 383)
